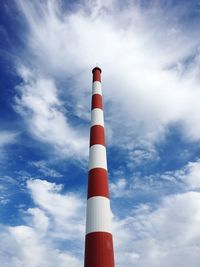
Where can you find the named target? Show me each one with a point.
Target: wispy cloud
(7, 184)
(188, 175)
(157, 185)
(7, 137)
(43, 168)
(39, 105)
(149, 60)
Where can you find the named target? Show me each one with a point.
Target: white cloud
(138, 157)
(42, 110)
(189, 175)
(158, 184)
(34, 251)
(7, 138)
(147, 87)
(7, 184)
(39, 219)
(166, 236)
(143, 53)
(163, 234)
(53, 226)
(192, 175)
(119, 189)
(42, 167)
(136, 185)
(66, 210)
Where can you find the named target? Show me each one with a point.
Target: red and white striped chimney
(98, 240)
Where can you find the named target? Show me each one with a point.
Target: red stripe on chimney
(98, 183)
(97, 135)
(99, 250)
(97, 101)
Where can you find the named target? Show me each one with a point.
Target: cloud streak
(39, 105)
(7, 138)
(149, 60)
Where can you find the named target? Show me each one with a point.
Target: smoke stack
(98, 240)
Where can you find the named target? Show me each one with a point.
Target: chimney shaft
(98, 240)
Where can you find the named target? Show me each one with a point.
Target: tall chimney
(98, 240)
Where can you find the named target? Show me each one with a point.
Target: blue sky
(149, 54)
